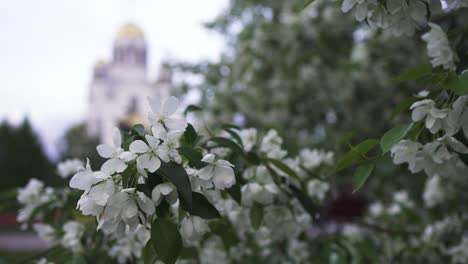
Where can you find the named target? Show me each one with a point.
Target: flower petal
(117, 138)
(176, 124)
(152, 141)
(113, 165)
(105, 151)
(154, 164)
(155, 104)
(170, 105)
(138, 146)
(208, 158)
(206, 173)
(223, 177)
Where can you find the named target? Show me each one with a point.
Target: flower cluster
(438, 48)
(397, 17)
(31, 197)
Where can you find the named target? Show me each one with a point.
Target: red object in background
(8, 220)
(345, 204)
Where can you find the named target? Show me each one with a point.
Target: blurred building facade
(120, 87)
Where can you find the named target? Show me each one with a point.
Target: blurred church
(120, 87)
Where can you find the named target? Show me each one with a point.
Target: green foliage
(256, 215)
(166, 240)
(176, 174)
(193, 156)
(394, 136)
(361, 174)
(22, 157)
(459, 84)
(190, 137)
(149, 254)
(418, 72)
(356, 154)
(201, 207)
(225, 142)
(78, 144)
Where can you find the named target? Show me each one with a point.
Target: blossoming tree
(171, 192)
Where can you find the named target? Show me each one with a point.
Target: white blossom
(249, 138)
(33, 195)
(311, 159)
(433, 192)
(165, 114)
(164, 190)
(220, 172)
(130, 245)
(46, 232)
(438, 48)
(271, 145)
(116, 156)
(433, 117)
(402, 198)
(73, 231)
(317, 189)
(171, 141)
(84, 179)
(407, 151)
(459, 253)
(256, 193)
(69, 167)
(376, 209)
(94, 201)
(193, 228)
(151, 154)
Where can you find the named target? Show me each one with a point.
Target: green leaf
(166, 240)
(405, 105)
(227, 143)
(393, 136)
(234, 135)
(308, 204)
(361, 174)
(192, 108)
(149, 255)
(193, 156)
(139, 130)
(225, 230)
(9, 194)
(415, 73)
(252, 158)
(283, 167)
(365, 146)
(77, 259)
(176, 174)
(256, 215)
(235, 192)
(201, 207)
(458, 85)
(189, 253)
(356, 154)
(190, 136)
(230, 126)
(308, 2)
(345, 139)
(129, 176)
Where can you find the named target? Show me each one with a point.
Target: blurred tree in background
(78, 144)
(315, 74)
(22, 157)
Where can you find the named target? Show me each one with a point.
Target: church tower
(119, 88)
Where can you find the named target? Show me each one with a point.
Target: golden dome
(135, 119)
(130, 31)
(100, 64)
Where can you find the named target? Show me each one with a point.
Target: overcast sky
(48, 48)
